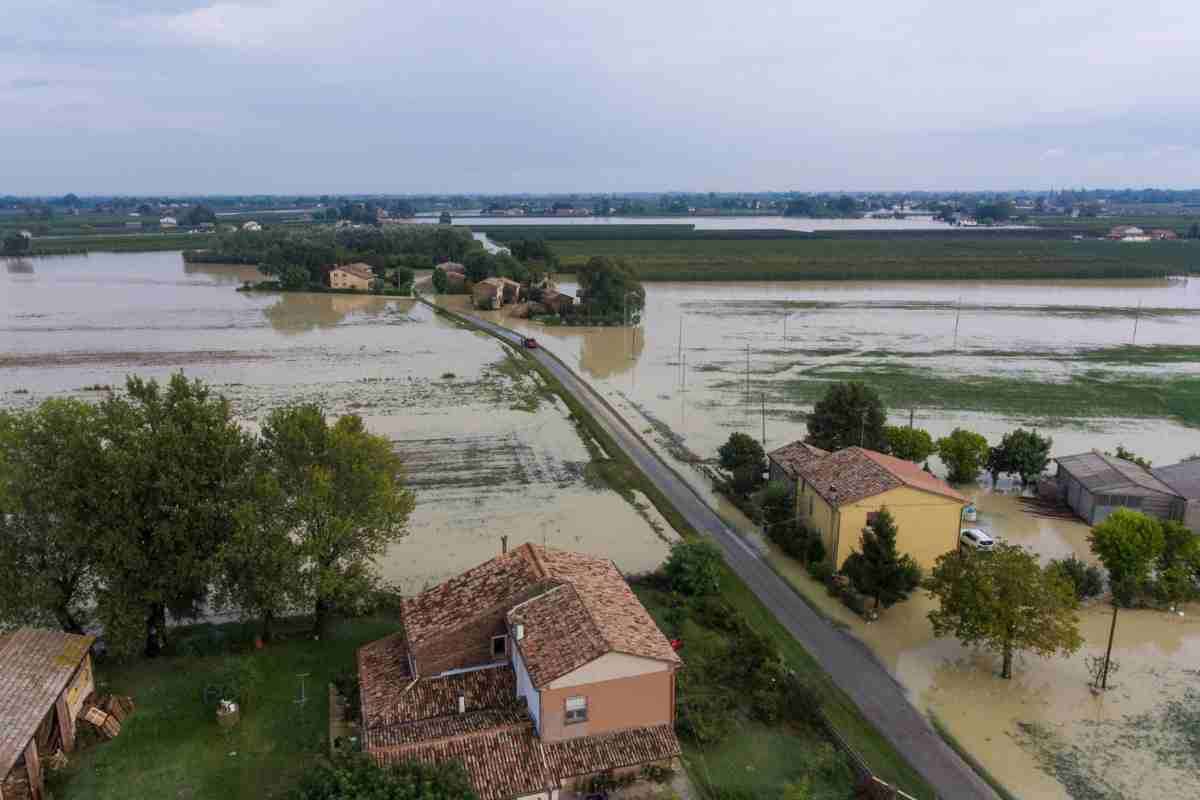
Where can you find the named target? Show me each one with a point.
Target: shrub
(656, 773)
(714, 613)
(821, 570)
(358, 776)
(1087, 580)
(348, 687)
(816, 549)
(694, 568)
(854, 601)
(792, 538)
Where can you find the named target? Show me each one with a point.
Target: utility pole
(912, 412)
(1136, 317)
(957, 314)
(747, 378)
(1108, 653)
(763, 396)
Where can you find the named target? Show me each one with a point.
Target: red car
(530, 342)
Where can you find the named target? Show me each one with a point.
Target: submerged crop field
(953, 256)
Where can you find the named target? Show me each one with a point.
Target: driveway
(849, 664)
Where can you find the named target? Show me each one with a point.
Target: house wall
(612, 705)
(818, 515)
(525, 689)
(344, 280)
(1191, 516)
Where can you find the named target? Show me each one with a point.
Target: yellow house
(351, 276)
(838, 496)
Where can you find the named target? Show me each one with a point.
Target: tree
(50, 460)
(878, 569)
(479, 265)
(173, 468)
(964, 453)
(15, 244)
(199, 214)
(345, 501)
(1129, 455)
(260, 563)
(778, 504)
(1023, 452)
(1128, 543)
(910, 444)
(440, 281)
(1179, 563)
(849, 414)
(742, 450)
(444, 218)
(1004, 601)
(694, 568)
(610, 286)
(357, 776)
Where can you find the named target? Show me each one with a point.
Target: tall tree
(1023, 452)
(610, 286)
(964, 453)
(850, 414)
(878, 569)
(1128, 544)
(1004, 601)
(173, 470)
(911, 444)
(345, 500)
(50, 460)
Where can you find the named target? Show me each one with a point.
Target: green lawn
(172, 747)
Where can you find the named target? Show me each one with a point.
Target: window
(576, 710)
(499, 645)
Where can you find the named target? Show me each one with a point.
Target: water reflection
(224, 273)
(18, 266)
(301, 312)
(603, 352)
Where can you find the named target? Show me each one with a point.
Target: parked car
(976, 539)
(530, 343)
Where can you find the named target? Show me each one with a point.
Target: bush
(792, 537)
(694, 568)
(802, 703)
(1087, 580)
(354, 776)
(816, 549)
(821, 570)
(854, 601)
(714, 613)
(348, 687)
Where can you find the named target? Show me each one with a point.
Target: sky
(414, 96)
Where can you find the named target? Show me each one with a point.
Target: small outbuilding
(488, 294)
(557, 302)
(1096, 484)
(45, 676)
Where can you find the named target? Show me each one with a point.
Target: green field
(128, 243)
(172, 746)
(952, 257)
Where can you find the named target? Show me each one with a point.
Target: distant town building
(251, 226)
(1162, 234)
(168, 222)
(351, 276)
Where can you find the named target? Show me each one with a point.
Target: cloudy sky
(174, 96)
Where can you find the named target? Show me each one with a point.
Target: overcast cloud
(288, 96)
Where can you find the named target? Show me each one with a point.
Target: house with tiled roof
(784, 461)
(537, 670)
(838, 495)
(352, 276)
(44, 678)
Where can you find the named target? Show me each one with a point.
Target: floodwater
(760, 222)
(488, 454)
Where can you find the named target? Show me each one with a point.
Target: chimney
(503, 545)
(520, 631)
(462, 704)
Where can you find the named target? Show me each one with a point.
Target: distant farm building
(351, 276)
(251, 226)
(1162, 234)
(45, 676)
(168, 222)
(557, 302)
(488, 294)
(1096, 484)
(1184, 478)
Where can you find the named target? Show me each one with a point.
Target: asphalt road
(847, 661)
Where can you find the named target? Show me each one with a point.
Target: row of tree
(155, 502)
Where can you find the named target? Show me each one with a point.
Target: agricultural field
(950, 257)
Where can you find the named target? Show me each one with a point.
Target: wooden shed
(45, 676)
(1096, 484)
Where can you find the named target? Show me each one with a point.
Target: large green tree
(358, 777)
(911, 444)
(172, 479)
(1021, 452)
(610, 286)
(1004, 601)
(849, 414)
(694, 568)
(346, 503)
(964, 453)
(50, 461)
(743, 457)
(878, 569)
(1128, 544)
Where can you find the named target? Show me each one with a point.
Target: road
(847, 661)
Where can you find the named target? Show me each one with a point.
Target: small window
(576, 710)
(499, 646)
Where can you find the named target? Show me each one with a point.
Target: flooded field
(489, 451)
(1043, 734)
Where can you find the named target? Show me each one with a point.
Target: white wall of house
(608, 667)
(525, 687)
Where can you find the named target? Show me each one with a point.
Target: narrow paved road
(850, 665)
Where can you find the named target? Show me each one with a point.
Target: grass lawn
(172, 747)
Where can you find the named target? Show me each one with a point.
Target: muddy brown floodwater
(489, 452)
(1043, 734)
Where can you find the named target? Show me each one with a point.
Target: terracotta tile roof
(456, 725)
(587, 754)
(457, 601)
(791, 456)
(358, 270)
(383, 673)
(35, 667)
(599, 595)
(398, 701)
(855, 473)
